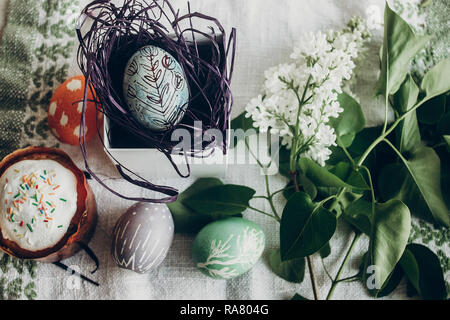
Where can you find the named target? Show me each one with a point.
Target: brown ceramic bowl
(83, 222)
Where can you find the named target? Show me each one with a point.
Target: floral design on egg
(155, 88)
(133, 68)
(178, 81)
(168, 62)
(227, 248)
(250, 244)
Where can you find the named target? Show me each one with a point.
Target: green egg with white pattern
(227, 248)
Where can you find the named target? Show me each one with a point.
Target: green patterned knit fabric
(35, 52)
(15, 69)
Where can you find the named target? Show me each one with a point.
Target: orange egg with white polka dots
(64, 112)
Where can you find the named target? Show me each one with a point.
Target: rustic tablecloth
(37, 53)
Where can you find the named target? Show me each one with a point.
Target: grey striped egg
(142, 237)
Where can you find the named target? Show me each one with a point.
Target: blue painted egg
(155, 88)
(227, 248)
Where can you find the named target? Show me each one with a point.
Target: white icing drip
(44, 235)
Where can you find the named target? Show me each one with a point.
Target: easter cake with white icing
(38, 201)
(46, 205)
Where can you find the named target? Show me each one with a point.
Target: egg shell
(228, 248)
(155, 88)
(64, 112)
(142, 237)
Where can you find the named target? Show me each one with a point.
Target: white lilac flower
(374, 17)
(321, 62)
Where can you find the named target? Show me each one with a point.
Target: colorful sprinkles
(30, 193)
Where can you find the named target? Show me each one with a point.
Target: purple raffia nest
(207, 59)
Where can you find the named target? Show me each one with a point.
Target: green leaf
(436, 82)
(389, 236)
(339, 205)
(399, 47)
(410, 290)
(445, 177)
(432, 111)
(307, 185)
(447, 139)
(241, 122)
(406, 97)
(358, 214)
(305, 227)
(408, 135)
(443, 126)
(220, 200)
(353, 178)
(289, 190)
(421, 189)
(392, 283)
(389, 285)
(284, 161)
(321, 177)
(304, 183)
(185, 219)
(395, 182)
(337, 155)
(290, 270)
(325, 251)
(363, 140)
(349, 122)
(424, 272)
(298, 297)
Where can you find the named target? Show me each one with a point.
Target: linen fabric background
(37, 53)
